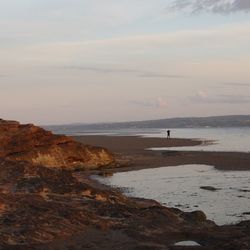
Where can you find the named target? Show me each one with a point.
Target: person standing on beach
(168, 134)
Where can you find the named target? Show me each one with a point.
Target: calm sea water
(181, 186)
(224, 139)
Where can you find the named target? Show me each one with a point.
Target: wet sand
(132, 153)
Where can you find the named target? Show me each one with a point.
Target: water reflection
(223, 195)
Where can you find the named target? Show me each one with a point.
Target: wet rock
(246, 213)
(195, 217)
(209, 188)
(244, 190)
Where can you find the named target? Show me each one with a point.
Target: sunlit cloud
(237, 84)
(135, 72)
(161, 102)
(158, 102)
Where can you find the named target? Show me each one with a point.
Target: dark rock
(246, 213)
(209, 188)
(244, 190)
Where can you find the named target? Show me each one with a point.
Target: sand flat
(132, 152)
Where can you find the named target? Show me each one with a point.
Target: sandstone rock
(40, 147)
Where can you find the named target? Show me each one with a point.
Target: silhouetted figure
(168, 134)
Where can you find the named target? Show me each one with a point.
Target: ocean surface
(181, 186)
(222, 139)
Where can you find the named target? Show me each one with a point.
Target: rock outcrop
(44, 206)
(40, 147)
(47, 208)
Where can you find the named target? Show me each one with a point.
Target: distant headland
(182, 122)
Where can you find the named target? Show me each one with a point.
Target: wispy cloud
(203, 97)
(101, 69)
(214, 6)
(134, 50)
(139, 73)
(237, 84)
(160, 75)
(159, 102)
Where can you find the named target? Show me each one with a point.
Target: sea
(187, 186)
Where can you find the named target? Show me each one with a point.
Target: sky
(67, 61)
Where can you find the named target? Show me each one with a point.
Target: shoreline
(132, 153)
(48, 200)
(132, 156)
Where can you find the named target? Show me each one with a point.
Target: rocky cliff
(44, 206)
(49, 209)
(40, 147)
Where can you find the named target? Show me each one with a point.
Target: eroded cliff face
(40, 147)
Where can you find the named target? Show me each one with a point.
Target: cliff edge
(35, 145)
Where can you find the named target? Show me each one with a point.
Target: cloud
(159, 102)
(136, 50)
(202, 94)
(102, 69)
(139, 73)
(203, 97)
(237, 84)
(159, 75)
(214, 6)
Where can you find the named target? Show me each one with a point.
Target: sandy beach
(133, 154)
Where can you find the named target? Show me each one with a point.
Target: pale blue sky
(65, 61)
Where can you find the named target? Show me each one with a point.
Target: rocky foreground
(47, 204)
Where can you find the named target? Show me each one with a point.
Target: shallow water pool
(223, 195)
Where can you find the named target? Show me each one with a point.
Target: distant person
(168, 134)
